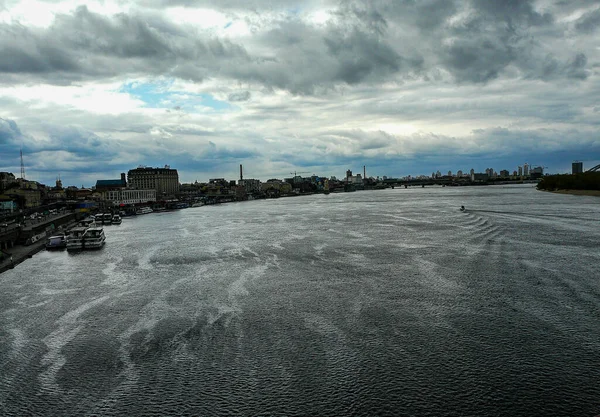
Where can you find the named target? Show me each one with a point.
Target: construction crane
(299, 172)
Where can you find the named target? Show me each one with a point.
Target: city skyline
(88, 92)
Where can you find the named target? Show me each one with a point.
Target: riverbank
(10, 258)
(593, 193)
(17, 254)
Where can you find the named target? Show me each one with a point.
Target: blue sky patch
(159, 95)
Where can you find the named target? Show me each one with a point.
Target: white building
(129, 196)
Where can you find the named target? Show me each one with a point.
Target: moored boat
(94, 238)
(56, 242)
(116, 219)
(87, 222)
(75, 238)
(143, 210)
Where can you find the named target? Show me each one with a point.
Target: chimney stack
(241, 176)
(364, 172)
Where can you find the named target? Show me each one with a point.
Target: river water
(389, 302)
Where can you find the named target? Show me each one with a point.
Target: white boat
(116, 219)
(56, 242)
(107, 218)
(94, 238)
(87, 222)
(75, 238)
(143, 210)
(198, 204)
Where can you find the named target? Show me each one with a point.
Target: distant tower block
(577, 167)
(22, 166)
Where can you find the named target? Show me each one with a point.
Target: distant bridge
(594, 169)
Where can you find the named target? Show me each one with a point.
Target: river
(389, 302)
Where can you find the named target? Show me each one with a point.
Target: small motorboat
(56, 242)
(462, 208)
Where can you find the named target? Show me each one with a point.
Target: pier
(21, 241)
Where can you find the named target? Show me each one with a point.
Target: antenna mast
(22, 166)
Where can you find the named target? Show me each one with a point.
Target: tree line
(583, 181)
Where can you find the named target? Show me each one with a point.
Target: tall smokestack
(364, 171)
(241, 175)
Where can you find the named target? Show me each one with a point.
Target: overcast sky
(89, 90)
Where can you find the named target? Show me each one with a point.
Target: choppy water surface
(387, 302)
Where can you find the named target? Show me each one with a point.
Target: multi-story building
(250, 185)
(536, 172)
(30, 197)
(129, 196)
(577, 167)
(6, 179)
(165, 181)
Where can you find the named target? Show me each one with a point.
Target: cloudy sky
(89, 90)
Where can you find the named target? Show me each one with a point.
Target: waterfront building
(577, 167)
(29, 197)
(504, 173)
(7, 206)
(6, 179)
(129, 196)
(536, 172)
(355, 179)
(103, 185)
(526, 170)
(165, 181)
(520, 168)
(250, 185)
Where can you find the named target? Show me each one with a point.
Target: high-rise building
(577, 167)
(165, 181)
(526, 170)
(520, 168)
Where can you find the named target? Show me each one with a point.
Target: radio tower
(22, 166)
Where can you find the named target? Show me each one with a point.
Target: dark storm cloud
(239, 96)
(9, 132)
(89, 45)
(373, 42)
(589, 22)
(512, 11)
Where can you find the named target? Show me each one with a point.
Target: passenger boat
(143, 210)
(56, 242)
(94, 238)
(107, 218)
(116, 219)
(75, 238)
(87, 222)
